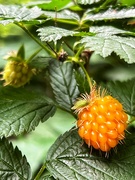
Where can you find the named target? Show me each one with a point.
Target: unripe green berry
(17, 73)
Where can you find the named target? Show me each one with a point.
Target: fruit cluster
(17, 73)
(102, 123)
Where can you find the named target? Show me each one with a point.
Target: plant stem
(50, 51)
(87, 75)
(79, 52)
(103, 6)
(40, 172)
(33, 55)
(77, 57)
(132, 119)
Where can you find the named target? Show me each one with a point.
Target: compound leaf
(16, 13)
(110, 14)
(63, 83)
(107, 30)
(12, 164)
(125, 93)
(62, 16)
(22, 110)
(105, 45)
(69, 159)
(51, 33)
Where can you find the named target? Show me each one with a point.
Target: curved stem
(50, 51)
(40, 172)
(33, 55)
(87, 75)
(131, 120)
(79, 52)
(77, 60)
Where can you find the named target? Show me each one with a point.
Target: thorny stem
(40, 172)
(50, 51)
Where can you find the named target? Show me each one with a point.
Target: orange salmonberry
(102, 122)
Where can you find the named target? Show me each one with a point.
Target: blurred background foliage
(14, 1)
(35, 144)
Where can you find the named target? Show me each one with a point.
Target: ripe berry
(17, 73)
(102, 122)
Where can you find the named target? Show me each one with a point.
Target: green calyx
(80, 104)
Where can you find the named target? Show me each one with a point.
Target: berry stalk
(87, 75)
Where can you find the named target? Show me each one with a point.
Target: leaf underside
(69, 158)
(110, 14)
(107, 30)
(51, 33)
(16, 13)
(105, 45)
(12, 164)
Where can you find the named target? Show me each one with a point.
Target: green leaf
(69, 159)
(22, 110)
(125, 93)
(84, 33)
(82, 82)
(51, 33)
(88, 1)
(47, 177)
(107, 30)
(12, 164)
(105, 45)
(63, 83)
(54, 5)
(62, 16)
(40, 62)
(14, 13)
(127, 2)
(110, 14)
(21, 52)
